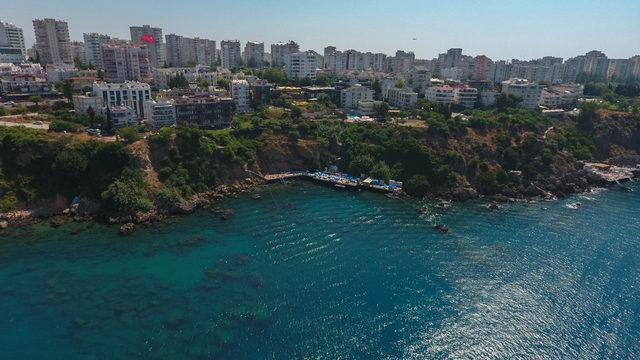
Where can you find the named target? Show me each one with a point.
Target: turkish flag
(148, 38)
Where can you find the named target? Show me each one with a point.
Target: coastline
(210, 201)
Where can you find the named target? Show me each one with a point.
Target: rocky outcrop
(127, 229)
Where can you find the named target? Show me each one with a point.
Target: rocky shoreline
(82, 209)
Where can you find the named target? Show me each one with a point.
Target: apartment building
(121, 116)
(52, 41)
(124, 61)
(529, 92)
(465, 96)
(12, 42)
(352, 96)
(131, 94)
(151, 37)
(79, 54)
(559, 96)
(93, 48)
(440, 94)
(254, 54)
(301, 65)
(241, 94)
(280, 50)
(160, 113)
(185, 51)
(231, 55)
(402, 98)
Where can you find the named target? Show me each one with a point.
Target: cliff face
(281, 154)
(617, 138)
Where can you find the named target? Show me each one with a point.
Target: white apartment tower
(280, 50)
(230, 53)
(301, 65)
(52, 41)
(93, 48)
(241, 94)
(12, 37)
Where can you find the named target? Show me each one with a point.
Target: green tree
(223, 83)
(127, 194)
(35, 99)
(129, 134)
(506, 101)
(400, 83)
(67, 90)
(376, 86)
(361, 165)
(381, 171)
(417, 185)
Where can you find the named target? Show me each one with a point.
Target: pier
(339, 180)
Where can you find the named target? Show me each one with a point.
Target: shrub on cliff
(127, 194)
(417, 185)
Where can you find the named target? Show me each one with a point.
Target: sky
(500, 29)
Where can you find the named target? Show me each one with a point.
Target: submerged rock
(127, 229)
(4, 224)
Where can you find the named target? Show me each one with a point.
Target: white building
(160, 113)
(465, 96)
(351, 97)
(528, 92)
(11, 39)
(121, 116)
(52, 41)
(402, 98)
(230, 55)
(132, 94)
(60, 72)
(440, 94)
(241, 94)
(254, 54)
(93, 48)
(82, 103)
(453, 73)
(301, 65)
(559, 96)
(280, 50)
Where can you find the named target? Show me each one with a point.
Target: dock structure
(610, 173)
(339, 180)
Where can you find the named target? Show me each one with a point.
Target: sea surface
(310, 272)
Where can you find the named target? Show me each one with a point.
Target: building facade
(241, 94)
(185, 51)
(351, 97)
(131, 94)
(160, 113)
(93, 48)
(230, 54)
(527, 91)
(12, 37)
(152, 38)
(52, 41)
(124, 61)
(402, 98)
(280, 50)
(301, 65)
(254, 54)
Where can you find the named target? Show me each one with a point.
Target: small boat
(340, 186)
(256, 196)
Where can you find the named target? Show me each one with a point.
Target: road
(43, 126)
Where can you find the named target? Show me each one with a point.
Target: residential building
(241, 94)
(160, 113)
(82, 103)
(10, 54)
(260, 93)
(185, 51)
(440, 94)
(93, 48)
(79, 53)
(124, 61)
(527, 91)
(60, 72)
(52, 41)
(419, 78)
(465, 96)
(481, 68)
(200, 108)
(254, 54)
(230, 54)
(280, 50)
(131, 93)
(402, 98)
(352, 96)
(453, 73)
(488, 97)
(151, 37)
(121, 116)
(301, 65)
(12, 37)
(562, 95)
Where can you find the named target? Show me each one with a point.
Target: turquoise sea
(310, 272)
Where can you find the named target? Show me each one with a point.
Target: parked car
(94, 132)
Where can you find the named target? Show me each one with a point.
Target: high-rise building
(77, 48)
(52, 41)
(152, 38)
(124, 61)
(12, 39)
(254, 54)
(230, 53)
(184, 51)
(241, 94)
(301, 65)
(280, 50)
(93, 48)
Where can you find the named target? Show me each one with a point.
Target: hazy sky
(501, 29)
